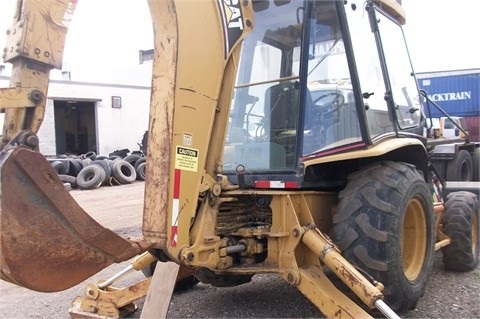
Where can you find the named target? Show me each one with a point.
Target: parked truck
(450, 148)
(453, 127)
(240, 178)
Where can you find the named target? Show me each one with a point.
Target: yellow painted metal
(442, 243)
(108, 302)
(442, 239)
(295, 251)
(205, 244)
(187, 126)
(164, 21)
(34, 46)
(140, 262)
(414, 239)
(143, 261)
(475, 229)
(379, 149)
(316, 286)
(299, 253)
(185, 110)
(393, 8)
(18, 97)
(103, 299)
(328, 253)
(39, 30)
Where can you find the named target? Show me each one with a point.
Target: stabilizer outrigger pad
(47, 241)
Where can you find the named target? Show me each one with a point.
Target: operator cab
(313, 83)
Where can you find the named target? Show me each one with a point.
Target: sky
(103, 35)
(107, 34)
(442, 35)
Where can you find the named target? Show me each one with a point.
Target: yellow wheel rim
(474, 233)
(414, 239)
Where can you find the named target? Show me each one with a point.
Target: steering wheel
(329, 102)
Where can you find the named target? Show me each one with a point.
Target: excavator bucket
(48, 242)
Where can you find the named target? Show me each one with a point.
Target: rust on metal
(47, 241)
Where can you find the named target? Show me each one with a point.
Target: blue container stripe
(458, 95)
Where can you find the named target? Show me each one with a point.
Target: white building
(82, 116)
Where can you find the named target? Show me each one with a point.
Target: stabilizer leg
(325, 249)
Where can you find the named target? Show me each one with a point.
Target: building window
(116, 102)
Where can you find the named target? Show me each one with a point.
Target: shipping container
(456, 92)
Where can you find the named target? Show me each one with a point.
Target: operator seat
(281, 108)
(347, 125)
(281, 116)
(281, 103)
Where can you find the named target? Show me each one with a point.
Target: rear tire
(476, 164)
(441, 167)
(185, 277)
(385, 225)
(460, 168)
(461, 223)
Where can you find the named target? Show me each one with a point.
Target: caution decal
(186, 159)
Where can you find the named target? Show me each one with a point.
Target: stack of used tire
(90, 171)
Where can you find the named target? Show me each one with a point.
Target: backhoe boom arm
(35, 44)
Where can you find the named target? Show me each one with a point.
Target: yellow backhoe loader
(284, 137)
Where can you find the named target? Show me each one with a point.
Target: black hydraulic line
(429, 100)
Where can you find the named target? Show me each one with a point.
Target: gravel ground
(448, 295)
